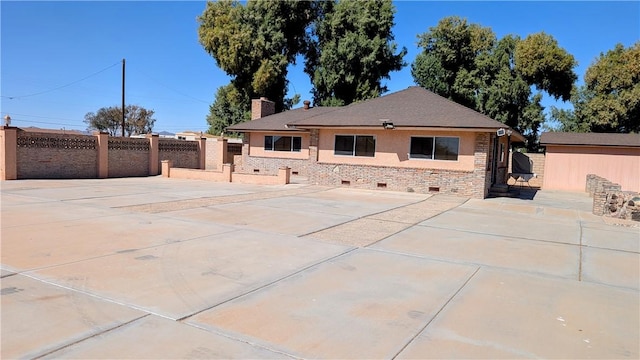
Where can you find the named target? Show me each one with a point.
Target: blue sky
(61, 60)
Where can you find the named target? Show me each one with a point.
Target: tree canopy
(609, 100)
(469, 65)
(229, 108)
(347, 45)
(254, 43)
(138, 120)
(351, 51)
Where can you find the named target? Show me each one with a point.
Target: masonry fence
(53, 155)
(609, 199)
(47, 155)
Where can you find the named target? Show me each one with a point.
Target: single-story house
(411, 140)
(570, 157)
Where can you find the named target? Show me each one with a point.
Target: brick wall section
(270, 166)
(183, 154)
(55, 156)
(481, 169)
(538, 160)
(397, 179)
(538, 169)
(128, 157)
(609, 199)
(211, 153)
(594, 181)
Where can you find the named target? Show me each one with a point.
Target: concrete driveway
(166, 268)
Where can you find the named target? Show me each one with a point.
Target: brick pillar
(222, 155)
(9, 155)
(154, 140)
(102, 144)
(284, 175)
(166, 168)
(313, 145)
(202, 153)
(227, 172)
(481, 177)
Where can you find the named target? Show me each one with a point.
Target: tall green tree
(138, 120)
(229, 108)
(543, 63)
(447, 64)
(609, 100)
(254, 43)
(352, 50)
(469, 65)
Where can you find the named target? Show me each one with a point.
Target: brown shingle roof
(412, 107)
(593, 139)
(279, 120)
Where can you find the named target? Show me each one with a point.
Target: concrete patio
(167, 268)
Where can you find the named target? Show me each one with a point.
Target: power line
(63, 86)
(43, 122)
(172, 89)
(40, 116)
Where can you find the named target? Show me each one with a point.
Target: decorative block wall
(53, 155)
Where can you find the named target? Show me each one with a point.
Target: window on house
(355, 145)
(282, 143)
(434, 148)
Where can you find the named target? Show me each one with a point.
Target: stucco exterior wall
(566, 167)
(256, 143)
(392, 149)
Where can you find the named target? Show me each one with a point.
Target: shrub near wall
(55, 156)
(128, 157)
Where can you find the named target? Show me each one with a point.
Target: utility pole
(123, 109)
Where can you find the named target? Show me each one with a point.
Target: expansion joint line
(361, 217)
(91, 336)
(417, 222)
(436, 314)
(580, 254)
(268, 284)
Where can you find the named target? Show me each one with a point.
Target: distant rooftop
(590, 139)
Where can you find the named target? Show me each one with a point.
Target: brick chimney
(262, 107)
(306, 104)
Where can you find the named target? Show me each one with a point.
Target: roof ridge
(455, 103)
(329, 108)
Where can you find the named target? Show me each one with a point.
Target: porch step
(502, 190)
